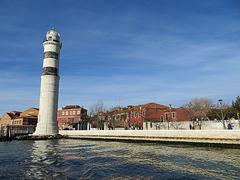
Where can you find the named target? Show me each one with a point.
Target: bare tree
(114, 108)
(97, 108)
(199, 107)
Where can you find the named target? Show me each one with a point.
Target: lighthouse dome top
(53, 35)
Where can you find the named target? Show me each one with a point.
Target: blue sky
(122, 51)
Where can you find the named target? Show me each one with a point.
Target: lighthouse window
(50, 54)
(50, 71)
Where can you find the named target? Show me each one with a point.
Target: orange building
(27, 117)
(8, 117)
(20, 122)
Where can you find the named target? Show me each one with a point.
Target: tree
(97, 108)
(236, 104)
(95, 111)
(227, 112)
(199, 108)
(115, 108)
(223, 112)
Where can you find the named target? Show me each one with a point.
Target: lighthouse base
(44, 129)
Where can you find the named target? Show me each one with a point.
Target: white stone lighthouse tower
(48, 105)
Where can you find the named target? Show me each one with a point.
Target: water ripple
(81, 159)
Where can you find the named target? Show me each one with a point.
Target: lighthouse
(48, 105)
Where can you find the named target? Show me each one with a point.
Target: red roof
(71, 107)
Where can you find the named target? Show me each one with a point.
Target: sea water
(83, 159)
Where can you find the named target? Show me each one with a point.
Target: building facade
(8, 117)
(72, 117)
(146, 116)
(19, 122)
(27, 117)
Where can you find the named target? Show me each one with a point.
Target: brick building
(144, 116)
(27, 117)
(72, 117)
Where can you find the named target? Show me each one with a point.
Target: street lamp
(221, 102)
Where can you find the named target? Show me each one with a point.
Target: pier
(10, 132)
(216, 137)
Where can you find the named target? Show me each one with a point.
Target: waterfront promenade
(225, 137)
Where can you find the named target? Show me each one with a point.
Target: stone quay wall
(231, 137)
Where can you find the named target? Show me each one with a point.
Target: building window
(74, 112)
(70, 112)
(78, 112)
(66, 112)
(173, 114)
(63, 113)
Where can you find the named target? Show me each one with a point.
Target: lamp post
(220, 102)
